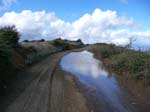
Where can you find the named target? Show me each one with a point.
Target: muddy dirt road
(44, 89)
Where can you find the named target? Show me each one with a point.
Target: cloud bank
(100, 26)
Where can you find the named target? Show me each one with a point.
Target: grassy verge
(123, 60)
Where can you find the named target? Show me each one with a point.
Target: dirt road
(46, 89)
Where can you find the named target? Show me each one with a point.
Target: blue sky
(126, 19)
(70, 10)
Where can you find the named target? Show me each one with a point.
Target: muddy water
(91, 72)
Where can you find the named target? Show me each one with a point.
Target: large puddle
(91, 72)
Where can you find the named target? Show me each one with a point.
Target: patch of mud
(74, 100)
(89, 94)
(139, 94)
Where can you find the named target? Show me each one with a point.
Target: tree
(131, 40)
(42, 40)
(80, 41)
(9, 35)
(25, 40)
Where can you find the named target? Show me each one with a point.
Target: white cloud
(100, 26)
(32, 25)
(6, 3)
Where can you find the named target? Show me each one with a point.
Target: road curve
(49, 90)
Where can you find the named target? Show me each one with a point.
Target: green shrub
(8, 39)
(42, 40)
(147, 76)
(5, 62)
(109, 50)
(136, 63)
(9, 35)
(25, 40)
(147, 72)
(60, 44)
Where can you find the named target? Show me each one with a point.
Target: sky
(107, 21)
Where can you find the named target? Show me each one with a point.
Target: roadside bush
(25, 40)
(9, 35)
(147, 76)
(136, 63)
(42, 40)
(5, 62)
(60, 44)
(109, 50)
